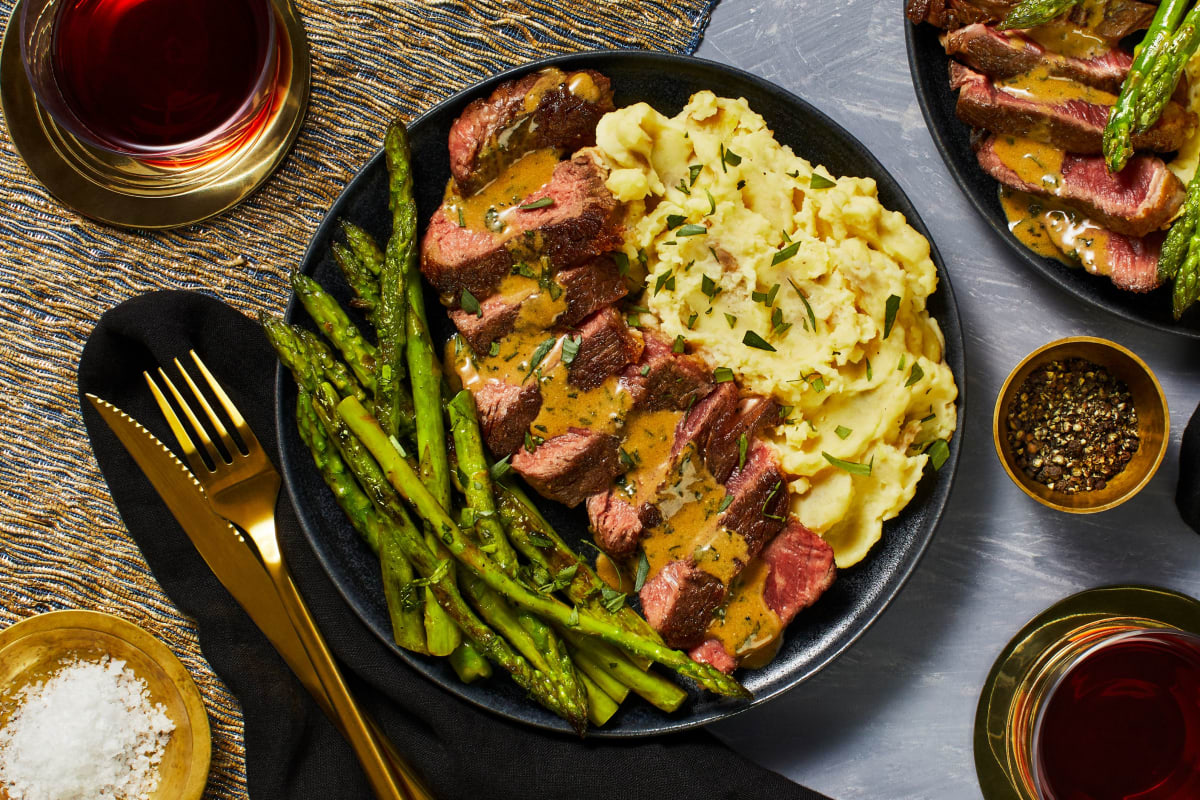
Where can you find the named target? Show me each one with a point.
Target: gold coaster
(1145, 606)
(33, 649)
(121, 191)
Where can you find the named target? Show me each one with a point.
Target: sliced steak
(505, 413)
(589, 287)
(1139, 199)
(800, 569)
(1072, 125)
(713, 653)
(1131, 263)
(617, 525)
(713, 413)
(581, 222)
(1118, 18)
(665, 380)
(607, 344)
(569, 467)
(585, 289)
(724, 449)
(760, 498)
(549, 108)
(679, 602)
(1004, 54)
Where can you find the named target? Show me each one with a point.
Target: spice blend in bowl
(1081, 424)
(1072, 426)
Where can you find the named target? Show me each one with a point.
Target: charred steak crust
(1072, 125)
(679, 602)
(1004, 54)
(663, 379)
(1120, 17)
(505, 413)
(606, 345)
(760, 499)
(492, 133)
(1136, 201)
(581, 222)
(570, 467)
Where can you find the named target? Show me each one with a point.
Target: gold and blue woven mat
(62, 544)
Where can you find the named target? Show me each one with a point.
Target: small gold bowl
(1153, 423)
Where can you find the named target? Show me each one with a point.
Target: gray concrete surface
(893, 717)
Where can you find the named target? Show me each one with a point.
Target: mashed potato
(746, 247)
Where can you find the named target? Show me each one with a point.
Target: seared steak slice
(711, 414)
(505, 413)
(760, 498)
(581, 222)
(713, 653)
(1004, 54)
(589, 287)
(1118, 18)
(549, 108)
(800, 569)
(1131, 263)
(1072, 125)
(569, 467)
(679, 602)
(606, 345)
(724, 444)
(616, 524)
(1139, 199)
(665, 380)
(585, 289)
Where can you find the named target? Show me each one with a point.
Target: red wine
(151, 74)
(1125, 723)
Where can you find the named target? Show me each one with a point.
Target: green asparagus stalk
(392, 326)
(1031, 13)
(407, 482)
(470, 665)
(650, 686)
(332, 321)
(1175, 247)
(436, 571)
(404, 610)
(1164, 74)
(363, 245)
(334, 370)
(1118, 142)
(600, 675)
(1187, 280)
(601, 707)
(364, 284)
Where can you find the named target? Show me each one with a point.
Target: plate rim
(898, 579)
(1049, 269)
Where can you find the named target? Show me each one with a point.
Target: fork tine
(197, 427)
(231, 446)
(181, 435)
(235, 416)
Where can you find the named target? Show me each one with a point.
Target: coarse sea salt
(88, 732)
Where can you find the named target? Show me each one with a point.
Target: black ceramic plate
(858, 596)
(928, 63)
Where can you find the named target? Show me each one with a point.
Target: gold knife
(231, 559)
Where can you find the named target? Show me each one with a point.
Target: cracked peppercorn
(1072, 426)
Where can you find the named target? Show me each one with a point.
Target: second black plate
(928, 63)
(859, 595)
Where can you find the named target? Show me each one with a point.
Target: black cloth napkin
(1187, 491)
(292, 751)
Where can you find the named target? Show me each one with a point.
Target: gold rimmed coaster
(1143, 606)
(121, 191)
(34, 648)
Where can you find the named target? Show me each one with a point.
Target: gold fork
(243, 487)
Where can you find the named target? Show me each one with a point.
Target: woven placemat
(62, 544)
